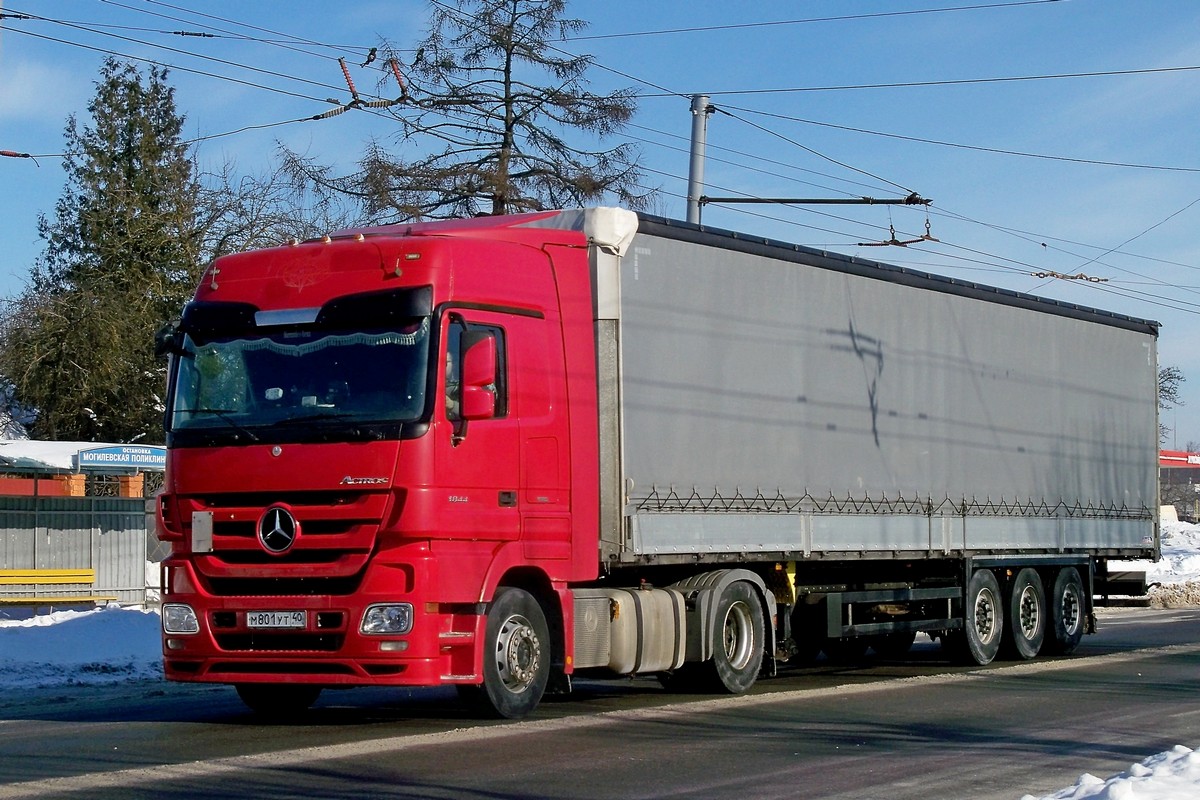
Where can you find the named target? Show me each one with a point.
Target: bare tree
(1170, 380)
(499, 111)
(240, 212)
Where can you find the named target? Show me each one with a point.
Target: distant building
(1179, 482)
(78, 469)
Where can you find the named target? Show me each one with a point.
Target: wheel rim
(1071, 616)
(518, 653)
(1029, 612)
(738, 635)
(985, 615)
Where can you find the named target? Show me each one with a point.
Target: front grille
(283, 587)
(247, 529)
(337, 533)
(257, 557)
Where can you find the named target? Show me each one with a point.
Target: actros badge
(278, 530)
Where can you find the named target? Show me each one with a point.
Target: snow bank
(1178, 572)
(1173, 775)
(104, 645)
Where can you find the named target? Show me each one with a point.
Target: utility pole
(696, 199)
(700, 111)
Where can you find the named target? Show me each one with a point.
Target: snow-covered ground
(1178, 573)
(114, 644)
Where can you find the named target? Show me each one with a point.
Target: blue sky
(789, 123)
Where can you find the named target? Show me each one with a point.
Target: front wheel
(516, 658)
(278, 699)
(737, 639)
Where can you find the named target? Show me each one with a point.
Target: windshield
(296, 376)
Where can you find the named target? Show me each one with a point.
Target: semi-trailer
(505, 451)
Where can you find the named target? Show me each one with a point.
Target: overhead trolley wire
(811, 151)
(178, 51)
(949, 81)
(1141, 296)
(779, 23)
(174, 67)
(959, 145)
(350, 49)
(1023, 268)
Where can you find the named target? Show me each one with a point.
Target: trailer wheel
(1066, 612)
(983, 622)
(737, 639)
(278, 699)
(516, 658)
(1026, 615)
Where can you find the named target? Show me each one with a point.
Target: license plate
(276, 619)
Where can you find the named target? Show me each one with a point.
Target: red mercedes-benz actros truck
(501, 452)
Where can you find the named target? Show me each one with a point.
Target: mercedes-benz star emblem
(277, 530)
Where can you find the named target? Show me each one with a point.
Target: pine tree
(121, 257)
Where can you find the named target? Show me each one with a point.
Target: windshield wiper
(223, 415)
(318, 416)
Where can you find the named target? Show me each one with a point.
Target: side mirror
(168, 340)
(479, 376)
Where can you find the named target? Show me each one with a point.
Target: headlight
(178, 618)
(387, 618)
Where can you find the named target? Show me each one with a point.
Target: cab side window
(460, 336)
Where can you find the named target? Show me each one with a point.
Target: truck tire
(278, 699)
(737, 639)
(516, 657)
(983, 620)
(1026, 629)
(1067, 609)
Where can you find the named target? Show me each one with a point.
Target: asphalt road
(918, 728)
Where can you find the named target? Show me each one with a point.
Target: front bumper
(323, 643)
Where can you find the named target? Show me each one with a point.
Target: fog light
(393, 647)
(387, 618)
(178, 618)
(176, 644)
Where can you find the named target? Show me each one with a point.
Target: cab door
(476, 429)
